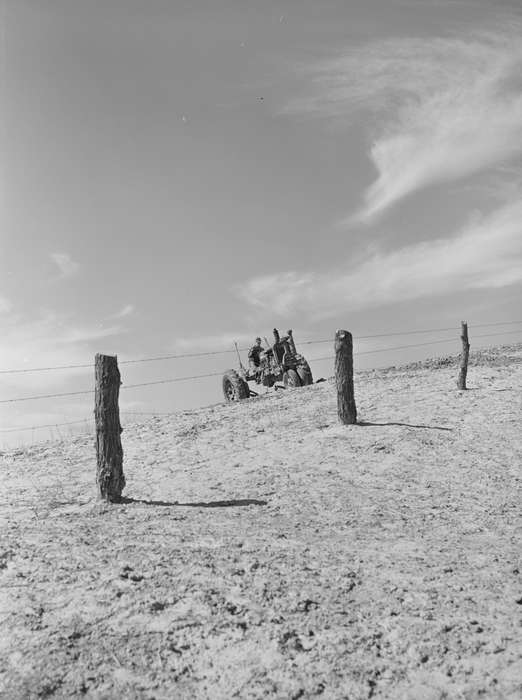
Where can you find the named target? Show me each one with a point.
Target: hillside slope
(266, 551)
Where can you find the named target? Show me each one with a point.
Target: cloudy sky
(177, 175)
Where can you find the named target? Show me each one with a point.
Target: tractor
(279, 362)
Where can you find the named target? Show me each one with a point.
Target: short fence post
(346, 408)
(464, 355)
(109, 475)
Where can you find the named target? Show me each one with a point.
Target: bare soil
(264, 550)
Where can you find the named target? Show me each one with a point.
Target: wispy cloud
(127, 310)
(442, 108)
(88, 335)
(217, 342)
(47, 341)
(487, 253)
(66, 265)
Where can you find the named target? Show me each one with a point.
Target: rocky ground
(263, 550)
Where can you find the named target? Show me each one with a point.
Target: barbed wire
(427, 330)
(213, 374)
(151, 413)
(90, 420)
(413, 345)
(171, 381)
(49, 396)
(219, 374)
(47, 425)
(180, 356)
(120, 362)
(123, 386)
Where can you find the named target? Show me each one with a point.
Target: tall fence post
(109, 453)
(464, 356)
(346, 408)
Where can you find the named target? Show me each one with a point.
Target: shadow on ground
(404, 425)
(241, 502)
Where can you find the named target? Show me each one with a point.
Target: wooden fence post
(463, 369)
(109, 475)
(346, 408)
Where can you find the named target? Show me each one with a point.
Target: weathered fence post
(464, 355)
(109, 474)
(346, 408)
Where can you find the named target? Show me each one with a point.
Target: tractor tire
(305, 374)
(234, 387)
(291, 379)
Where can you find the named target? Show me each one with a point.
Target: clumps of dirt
(264, 550)
(501, 356)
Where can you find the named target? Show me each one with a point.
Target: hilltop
(264, 550)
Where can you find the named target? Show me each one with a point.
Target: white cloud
(443, 108)
(67, 266)
(487, 253)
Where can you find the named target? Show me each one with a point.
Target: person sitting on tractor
(254, 356)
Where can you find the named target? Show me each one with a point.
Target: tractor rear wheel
(234, 387)
(305, 374)
(291, 379)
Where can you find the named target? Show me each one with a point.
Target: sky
(177, 176)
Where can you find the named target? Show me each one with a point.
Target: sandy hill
(266, 551)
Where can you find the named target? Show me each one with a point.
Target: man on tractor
(254, 356)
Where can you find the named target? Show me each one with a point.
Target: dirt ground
(264, 550)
